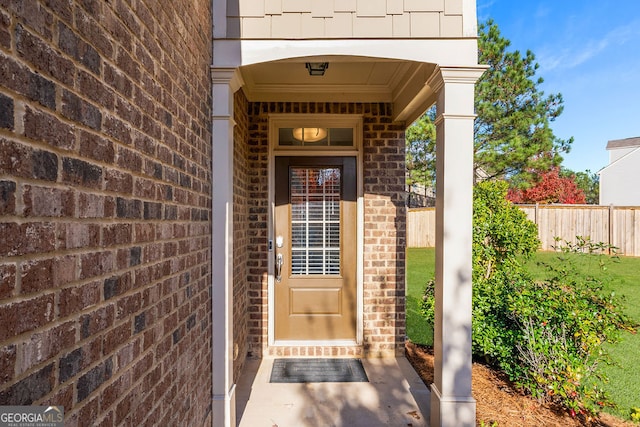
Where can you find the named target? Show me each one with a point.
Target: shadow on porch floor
(394, 396)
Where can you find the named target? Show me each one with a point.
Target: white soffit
(395, 71)
(346, 79)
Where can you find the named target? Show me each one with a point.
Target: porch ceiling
(348, 79)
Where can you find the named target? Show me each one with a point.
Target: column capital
(462, 75)
(225, 82)
(227, 75)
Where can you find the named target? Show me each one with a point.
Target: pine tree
(512, 130)
(512, 134)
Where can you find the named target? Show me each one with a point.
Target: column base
(223, 409)
(451, 411)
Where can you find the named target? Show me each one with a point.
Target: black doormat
(318, 371)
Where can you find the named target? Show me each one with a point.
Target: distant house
(618, 180)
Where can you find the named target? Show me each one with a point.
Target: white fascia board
(451, 52)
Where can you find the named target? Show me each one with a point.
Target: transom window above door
(315, 137)
(315, 133)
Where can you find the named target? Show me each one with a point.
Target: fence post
(610, 227)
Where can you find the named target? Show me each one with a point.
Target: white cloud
(577, 52)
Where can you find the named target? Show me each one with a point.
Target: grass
(622, 277)
(420, 269)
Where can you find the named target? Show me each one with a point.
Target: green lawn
(623, 277)
(420, 269)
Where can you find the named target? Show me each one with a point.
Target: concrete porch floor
(394, 396)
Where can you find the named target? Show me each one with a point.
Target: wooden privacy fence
(615, 225)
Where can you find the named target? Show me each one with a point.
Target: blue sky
(589, 51)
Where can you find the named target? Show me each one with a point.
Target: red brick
(41, 126)
(144, 233)
(127, 354)
(14, 75)
(115, 391)
(114, 127)
(63, 396)
(91, 352)
(89, 410)
(78, 110)
(88, 64)
(96, 264)
(116, 234)
(7, 363)
(97, 148)
(46, 59)
(5, 31)
(128, 112)
(7, 280)
(19, 160)
(35, 16)
(144, 188)
(78, 235)
(87, 24)
(128, 305)
(45, 345)
(36, 275)
(96, 321)
(75, 299)
(95, 90)
(49, 202)
(124, 407)
(91, 205)
(25, 315)
(21, 239)
(118, 181)
(116, 337)
(129, 159)
(124, 86)
(142, 366)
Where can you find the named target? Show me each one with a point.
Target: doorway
(315, 248)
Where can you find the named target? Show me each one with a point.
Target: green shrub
(546, 336)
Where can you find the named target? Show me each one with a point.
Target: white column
(451, 401)
(223, 406)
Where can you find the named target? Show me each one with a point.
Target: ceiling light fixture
(317, 68)
(309, 134)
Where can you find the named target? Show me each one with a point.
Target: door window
(315, 220)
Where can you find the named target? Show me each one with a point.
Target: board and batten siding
(615, 225)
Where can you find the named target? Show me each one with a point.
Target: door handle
(279, 263)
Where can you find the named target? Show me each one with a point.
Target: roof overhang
(390, 71)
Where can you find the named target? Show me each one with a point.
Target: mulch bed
(498, 401)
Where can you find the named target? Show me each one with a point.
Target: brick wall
(384, 229)
(105, 209)
(384, 233)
